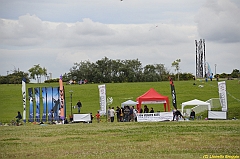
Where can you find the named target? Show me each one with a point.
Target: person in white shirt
(112, 113)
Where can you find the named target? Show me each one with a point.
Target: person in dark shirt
(126, 114)
(151, 111)
(79, 105)
(131, 114)
(118, 111)
(178, 114)
(146, 110)
(192, 115)
(19, 117)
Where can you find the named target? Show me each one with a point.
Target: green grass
(186, 140)
(11, 98)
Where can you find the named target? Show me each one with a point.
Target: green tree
(162, 72)
(131, 69)
(223, 75)
(176, 65)
(36, 72)
(14, 78)
(235, 73)
(150, 73)
(186, 76)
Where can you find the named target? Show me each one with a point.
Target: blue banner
(31, 108)
(56, 103)
(37, 99)
(44, 98)
(49, 103)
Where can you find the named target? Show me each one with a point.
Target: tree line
(109, 71)
(117, 71)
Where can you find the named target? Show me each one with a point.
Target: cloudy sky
(58, 33)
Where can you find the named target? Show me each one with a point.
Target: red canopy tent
(152, 97)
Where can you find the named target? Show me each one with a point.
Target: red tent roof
(152, 95)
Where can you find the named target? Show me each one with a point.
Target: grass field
(11, 98)
(177, 140)
(186, 140)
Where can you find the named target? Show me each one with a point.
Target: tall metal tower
(200, 59)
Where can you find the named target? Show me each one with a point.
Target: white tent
(129, 103)
(196, 102)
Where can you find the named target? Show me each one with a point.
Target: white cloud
(157, 32)
(219, 21)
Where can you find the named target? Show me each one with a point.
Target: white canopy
(129, 103)
(196, 102)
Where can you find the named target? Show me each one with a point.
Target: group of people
(146, 110)
(124, 114)
(79, 82)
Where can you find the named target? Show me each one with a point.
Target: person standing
(126, 114)
(91, 118)
(131, 114)
(108, 114)
(134, 114)
(211, 77)
(79, 105)
(118, 113)
(217, 77)
(192, 115)
(98, 117)
(112, 113)
(121, 114)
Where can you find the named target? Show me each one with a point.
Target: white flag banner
(102, 99)
(222, 95)
(24, 99)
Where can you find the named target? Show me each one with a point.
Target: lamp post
(7, 78)
(215, 69)
(71, 92)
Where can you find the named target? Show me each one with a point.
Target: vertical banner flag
(37, 99)
(222, 95)
(56, 102)
(31, 114)
(44, 98)
(64, 100)
(61, 92)
(102, 98)
(24, 99)
(174, 99)
(49, 102)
